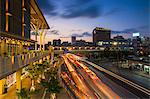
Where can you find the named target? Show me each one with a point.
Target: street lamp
(116, 44)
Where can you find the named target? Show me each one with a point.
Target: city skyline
(79, 17)
(74, 49)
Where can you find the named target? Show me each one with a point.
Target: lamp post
(116, 45)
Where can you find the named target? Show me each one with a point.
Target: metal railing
(11, 64)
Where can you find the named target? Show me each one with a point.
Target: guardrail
(11, 64)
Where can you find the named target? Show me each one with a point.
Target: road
(101, 86)
(95, 84)
(113, 84)
(122, 92)
(78, 86)
(89, 83)
(126, 83)
(128, 74)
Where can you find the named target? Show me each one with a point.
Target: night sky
(80, 17)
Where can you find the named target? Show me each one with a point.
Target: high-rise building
(57, 42)
(80, 43)
(100, 34)
(73, 39)
(118, 37)
(141, 45)
(66, 43)
(49, 43)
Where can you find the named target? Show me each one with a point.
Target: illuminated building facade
(73, 39)
(15, 26)
(57, 42)
(17, 19)
(100, 34)
(117, 42)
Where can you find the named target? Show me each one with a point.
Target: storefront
(10, 80)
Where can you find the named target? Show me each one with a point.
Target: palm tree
(46, 65)
(42, 68)
(52, 87)
(36, 72)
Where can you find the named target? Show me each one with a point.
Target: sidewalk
(26, 83)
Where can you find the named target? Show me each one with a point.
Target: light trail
(68, 81)
(102, 87)
(79, 82)
(126, 81)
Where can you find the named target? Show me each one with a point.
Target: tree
(23, 94)
(42, 68)
(33, 74)
(52, 86)
(37, 72)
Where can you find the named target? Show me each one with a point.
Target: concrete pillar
(51, 51)
(2, 85)
(16, 49)
(43, 46)
(18, 80)
(20, 48)
(40, 42)
(3, 47)
(35, 45)
(31, 64)
(36, 33)
(40, 61)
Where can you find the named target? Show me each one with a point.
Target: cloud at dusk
(84, 34)
(53, 32)
(128, 32)
(80, 17)
(71, 8)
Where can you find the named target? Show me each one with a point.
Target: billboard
(136, 34)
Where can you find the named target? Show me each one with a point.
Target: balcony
(9, 65)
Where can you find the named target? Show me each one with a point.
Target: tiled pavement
(11, 94)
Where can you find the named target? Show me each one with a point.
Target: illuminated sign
(136, 34)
